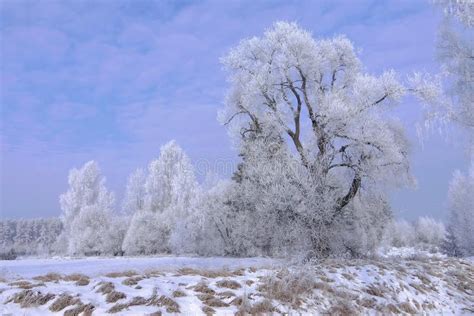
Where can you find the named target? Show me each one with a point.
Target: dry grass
(263, 307)
(117, 308)
(211, 274)
(25, 285)
(203, 288)
(151, 273)
(105, 287)
(178, 293)
(81, 309)
(50, 277)
(375, 290)
(289, 287)
(249, 282)
(138, 300)
(114, 296)
(208, 310)
(170, 304)
(226, 294)
(230, 284)
(215, 302)
(80, 279)
(407, 308)
(128, 273)
(63, 301)
(132, 280)
(30, 298)
(343, 308)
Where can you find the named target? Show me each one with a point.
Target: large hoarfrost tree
(87, 208)
(329, 115)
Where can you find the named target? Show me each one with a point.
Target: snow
(94, 266)
(426, 285)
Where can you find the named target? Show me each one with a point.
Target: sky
(112, 81)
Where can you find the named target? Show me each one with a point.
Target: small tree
(169, 191)
(461, 217)
(87, 207)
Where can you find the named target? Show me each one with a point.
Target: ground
(226, 286)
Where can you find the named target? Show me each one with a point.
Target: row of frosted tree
(165, 210)
(320, 153)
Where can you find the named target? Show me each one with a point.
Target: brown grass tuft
(375, 290)
(50, 277)
(117, 308)
(230, 284)
(226, 294)
(63, 301)
(30, 298)
(105, 287)
(211, 274)
(128, 273)
(215, 302)
(170, 304)
(138, 300)
(25, 285)
(203, 288)
(407, 308)
(114, 296)
(342, 308)
(178, 293)
(85, 310)
(208, 310)
(80, 279)
(132, 280)
(288, 286)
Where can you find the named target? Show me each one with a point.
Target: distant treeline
(32, 236)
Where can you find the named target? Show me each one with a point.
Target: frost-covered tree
(429, 231)
(147, 234)
(135, 192)
(330, 119)
(171, 183)
(456, 54)
(461, 217)
(87, 208)
(24, 236)
(401, 233)
(169, 191)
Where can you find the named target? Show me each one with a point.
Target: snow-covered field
(225, 286)
(94, 266)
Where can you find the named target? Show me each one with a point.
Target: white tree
(147, 234)
(135, 192)
(461, 218)
(87, 207)
(328, 114)
(429, 232)
(170, 189)
(456, 54)
(171, 182)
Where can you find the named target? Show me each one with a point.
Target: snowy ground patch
(225, 286)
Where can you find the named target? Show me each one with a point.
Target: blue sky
(114, 80)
